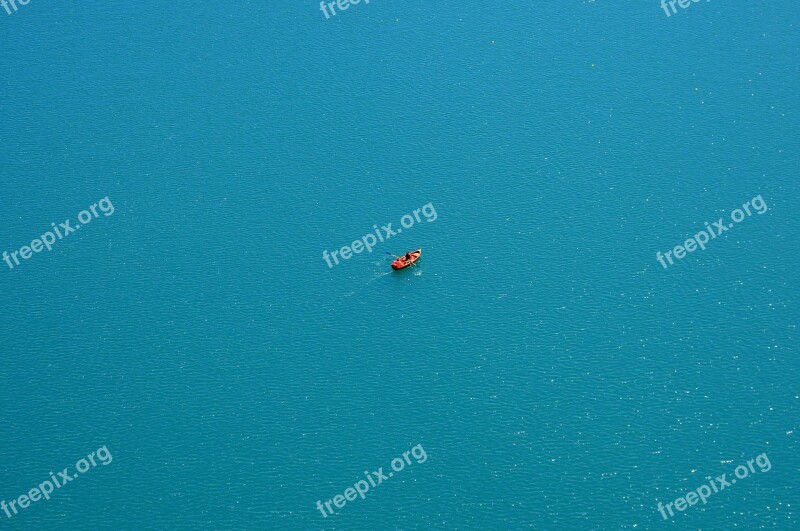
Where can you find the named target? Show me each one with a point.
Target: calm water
(555, 374)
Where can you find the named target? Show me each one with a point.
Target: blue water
(555, 374)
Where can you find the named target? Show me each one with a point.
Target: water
(555, 374)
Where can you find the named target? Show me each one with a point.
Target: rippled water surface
(554, 373)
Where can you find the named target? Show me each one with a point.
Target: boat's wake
(379, 275)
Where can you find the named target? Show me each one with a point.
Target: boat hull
(402, 263)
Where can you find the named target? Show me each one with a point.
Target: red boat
(404, 261)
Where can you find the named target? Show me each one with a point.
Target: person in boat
(407, 256)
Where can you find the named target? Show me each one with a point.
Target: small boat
(402, 261)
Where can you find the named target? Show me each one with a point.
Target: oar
(397, 257)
